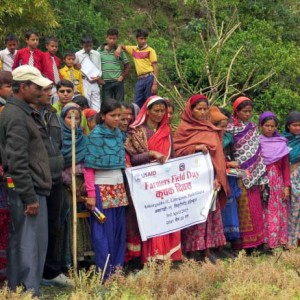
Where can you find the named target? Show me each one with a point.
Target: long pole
(74, 200)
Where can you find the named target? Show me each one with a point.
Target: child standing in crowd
(114, 69)
(230, 216)
(30, 55)
(51, 65)
(91, 85)
(149, 139)
(197, 134)
(91, 117)
(51, 61)
(247, 152)
(104, 161)
(275, 153)
(145, 61)
(292, 134)
(83, 235)
(68, 72)
(5, 87)
(5, 92)
(7, 55)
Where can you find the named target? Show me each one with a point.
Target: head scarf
(293, 140)
(198, 98)
(273, 148)
(236, 104)
(89, 113)
(137, 142)
(216, 115)
(192, 132)
(68, 107)
(80, 142)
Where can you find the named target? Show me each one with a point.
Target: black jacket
(24, 156)
(53, 141)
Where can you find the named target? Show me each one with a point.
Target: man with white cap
(28, 179)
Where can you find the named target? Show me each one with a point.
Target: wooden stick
(105, 267)
(74, 200)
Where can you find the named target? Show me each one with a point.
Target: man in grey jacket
(28, 178)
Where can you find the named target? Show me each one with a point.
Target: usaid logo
(148, 174)
(137, 177)
(182, 167)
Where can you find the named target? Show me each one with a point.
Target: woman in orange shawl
(149, 139)
(197, 134)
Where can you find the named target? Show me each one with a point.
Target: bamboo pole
(74, 200)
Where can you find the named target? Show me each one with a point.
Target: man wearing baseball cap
(28, 179)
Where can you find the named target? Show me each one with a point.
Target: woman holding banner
(247, 152)
(148, 140)
(197, 134)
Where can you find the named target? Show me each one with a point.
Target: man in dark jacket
(28, 178)
(53, 270)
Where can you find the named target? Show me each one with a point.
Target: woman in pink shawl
(276, 157)
(149, 139)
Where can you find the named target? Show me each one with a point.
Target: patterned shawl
(247, 152)
(104, 149)
(192, 132)
(136, 141)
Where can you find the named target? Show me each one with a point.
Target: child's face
(223, 125)
(65, 94)
(68, 119)
(112, 119)
(269, 128)
(33, 41)
(69, 61)
(12, 46)
(87, 47)
(52, 47)
(142, 41)
(92, 122)
(124, 122)
(5, 91)
(294, 128)
(112, 40)
(245, 113)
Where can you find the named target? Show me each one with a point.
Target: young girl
(197, 134)
(104, 161)
(247, 152)
(292, 134)
(275, 154)
(83, 236)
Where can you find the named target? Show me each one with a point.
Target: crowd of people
(256, 173)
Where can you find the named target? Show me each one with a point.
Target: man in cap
(28, 179)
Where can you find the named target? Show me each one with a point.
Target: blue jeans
(143, 90)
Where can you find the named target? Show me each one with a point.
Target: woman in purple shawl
(276, 157)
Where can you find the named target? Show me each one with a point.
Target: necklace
(153, 129)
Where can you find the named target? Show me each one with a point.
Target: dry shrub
(5, 293)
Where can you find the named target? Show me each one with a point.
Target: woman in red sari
(197, 134)
(148, 140)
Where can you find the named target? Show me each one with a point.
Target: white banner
(171, 196)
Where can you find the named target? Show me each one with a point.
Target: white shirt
(94, 57)
(7, 59)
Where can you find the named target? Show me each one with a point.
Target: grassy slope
(255, 277)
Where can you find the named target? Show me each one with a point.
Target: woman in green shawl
(292, 134)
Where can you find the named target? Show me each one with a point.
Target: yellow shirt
(77, 78)
(143, 59)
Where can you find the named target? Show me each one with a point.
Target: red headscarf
(236, 104)
(192, 132)
(161, 140)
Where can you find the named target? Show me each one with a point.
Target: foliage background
(268, 32)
